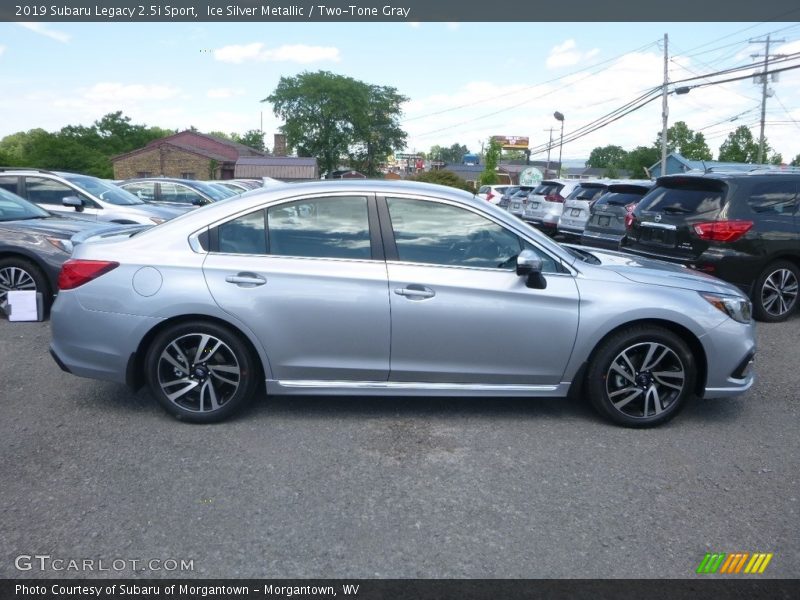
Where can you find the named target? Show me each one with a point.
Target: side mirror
(73, 201)
(529, 265)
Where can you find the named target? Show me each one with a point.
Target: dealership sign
(530, 176)
(511, 142)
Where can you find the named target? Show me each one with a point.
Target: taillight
(489, 196)
(722, 231)
(629, 219)
(554, 198)
(76, 272)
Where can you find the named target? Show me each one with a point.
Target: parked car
(229, 192)
(577, 205)
(519, 200)
(492, 193)
(505, 199)
(237, 187)
(741, 227)
(33, 245)
(545, 203)
(169, 191)
(391, 288)
(82, 197)
(606, 225)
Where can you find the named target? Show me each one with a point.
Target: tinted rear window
(548, 188)
(586, 192)
(619, 199)
(686, 198)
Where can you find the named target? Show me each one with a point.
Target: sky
(464, 81)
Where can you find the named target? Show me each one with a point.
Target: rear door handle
(415, 292)
(246, 279)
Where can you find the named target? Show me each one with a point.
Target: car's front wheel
(201, 372)
(775, 292)
(18, 274)
(641, 376)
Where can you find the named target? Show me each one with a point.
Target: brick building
(188, 155)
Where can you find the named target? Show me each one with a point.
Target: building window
(144, 174)
(188, 175)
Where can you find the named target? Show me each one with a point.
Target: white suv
(83, 197)
(492, 193)
(546, 201)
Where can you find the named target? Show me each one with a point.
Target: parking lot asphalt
(392, 487)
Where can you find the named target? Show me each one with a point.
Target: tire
(201, 372)
(775, 292)
(19, 274)
(622, 381)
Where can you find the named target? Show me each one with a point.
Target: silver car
(391, 288)
(578, 204)
(546, 202)
(83, 197)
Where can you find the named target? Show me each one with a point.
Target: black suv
(741, 227)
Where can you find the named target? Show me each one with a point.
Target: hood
(657, 272)
(50, 226)
(163, 211)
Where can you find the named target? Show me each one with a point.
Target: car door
(50, 194)
(460, 314)
(309, 278)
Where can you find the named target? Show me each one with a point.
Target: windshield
(14, 208)
(212, 191)
(107, 192)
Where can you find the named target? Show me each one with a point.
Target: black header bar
(337, 11)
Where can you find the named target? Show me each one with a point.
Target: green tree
(490, 161)
(795, 161)
(222, 135)
(442, 177)
(377, 130)
(451, 155)
(331, 116)
(776, 158)
(606, 156)
(740, 146)
(253, 138)
(689, 144)
(639, 160)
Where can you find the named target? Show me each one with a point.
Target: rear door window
(775, 197)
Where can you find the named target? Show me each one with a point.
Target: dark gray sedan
(34, 244)
(606, 225)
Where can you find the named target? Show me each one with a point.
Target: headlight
(738, 309)
(157, 220)
(63, 245)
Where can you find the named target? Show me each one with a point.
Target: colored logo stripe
(733, 563)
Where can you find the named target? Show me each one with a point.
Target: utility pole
(764, 79)
(549, 145)
(664, 108)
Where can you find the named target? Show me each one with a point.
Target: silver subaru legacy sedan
(391, 288)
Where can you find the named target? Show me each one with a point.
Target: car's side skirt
(405, 388)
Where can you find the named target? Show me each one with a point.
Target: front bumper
(730, 351)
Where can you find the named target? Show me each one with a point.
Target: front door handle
(415, 292)
(246, 279)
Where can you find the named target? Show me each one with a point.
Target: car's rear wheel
(641, 376)
(201, 372)
(775, 292)
(18, 274)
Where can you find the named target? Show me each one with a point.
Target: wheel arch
(691, 340)
(134, 375)
(31, 258)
